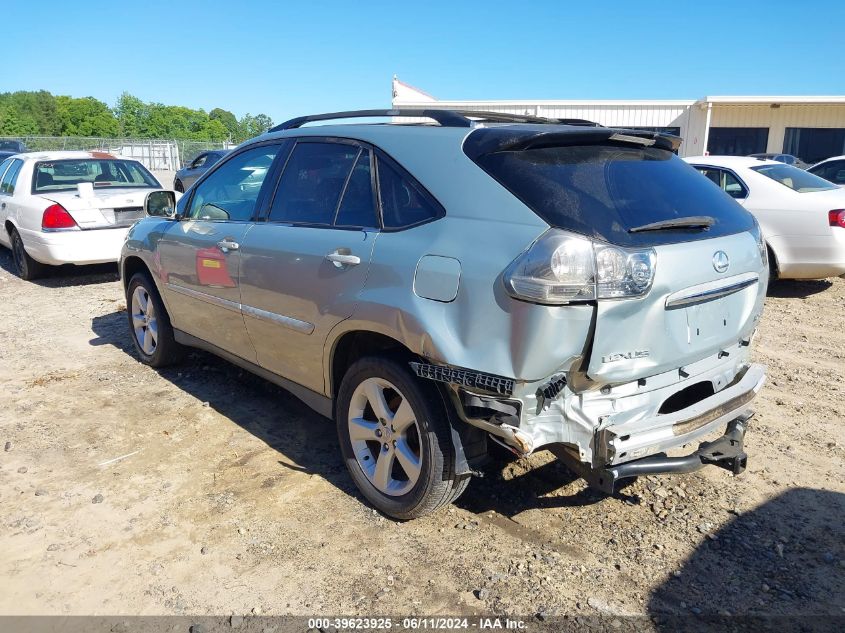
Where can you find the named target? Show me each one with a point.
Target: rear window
(63, 175)
(794, 178)
(605, 190)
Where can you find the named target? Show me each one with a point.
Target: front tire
(26, 267)
(149, 324)
(395, 439)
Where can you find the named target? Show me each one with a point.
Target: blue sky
(289, 58)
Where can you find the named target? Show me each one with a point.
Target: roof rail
(446, 118)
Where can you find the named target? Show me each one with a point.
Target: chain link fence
(154, 154)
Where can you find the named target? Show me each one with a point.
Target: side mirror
(160, 204)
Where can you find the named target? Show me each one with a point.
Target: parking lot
(202, 489)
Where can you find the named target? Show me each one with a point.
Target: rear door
(200, 256)
(303, 268)
(9, 170)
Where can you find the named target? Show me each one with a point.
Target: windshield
(606, 190)
(62, 175)
(794, 178)
(12, 146)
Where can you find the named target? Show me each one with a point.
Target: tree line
(40, 113)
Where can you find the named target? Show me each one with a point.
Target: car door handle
(343, 259)
(228, 245)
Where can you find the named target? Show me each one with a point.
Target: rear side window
(604, 190)
(404, 203)
(312, 182)
(4, 166)
(7, 184)
(357, 208)
(833, 171)
(733, 187)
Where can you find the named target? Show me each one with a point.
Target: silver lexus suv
(458, 278)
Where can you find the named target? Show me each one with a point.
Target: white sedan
(802, 215)
(69, 207)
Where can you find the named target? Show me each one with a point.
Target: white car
(832, 169)
(802, 215)
(69, 207)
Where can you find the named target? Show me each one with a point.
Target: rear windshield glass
(794, 178)
(605, 190)
(62, 175)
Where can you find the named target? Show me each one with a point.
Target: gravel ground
(202, 489)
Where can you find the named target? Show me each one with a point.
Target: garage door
(737, 141)
(812, 144)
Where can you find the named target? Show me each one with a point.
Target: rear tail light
(836, 217)
(561, 268)
(56, 217)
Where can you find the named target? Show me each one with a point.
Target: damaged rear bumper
(726, 452)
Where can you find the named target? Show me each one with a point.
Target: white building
(812, 128)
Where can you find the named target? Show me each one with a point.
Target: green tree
(131, 113)
(228, 120)
(86, 117)
(251, 126)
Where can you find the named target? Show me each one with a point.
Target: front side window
(7, 184)
(199, 161)
(312, 182)
(65, 175)
(231, 192)
(794, 178)
(403, 202)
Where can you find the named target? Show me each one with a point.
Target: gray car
(492, 278)
(188, 175)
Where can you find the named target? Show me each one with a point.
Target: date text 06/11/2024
(414, 624)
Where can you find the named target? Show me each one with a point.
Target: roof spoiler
(510, 140)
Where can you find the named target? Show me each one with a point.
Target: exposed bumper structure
(726, 452)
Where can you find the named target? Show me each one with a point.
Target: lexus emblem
(721, 261)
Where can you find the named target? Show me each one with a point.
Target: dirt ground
(202, 489)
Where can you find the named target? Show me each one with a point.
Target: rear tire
(26, 267)
(149, 324)
(773, 265)
(399, 450)
(178, 186)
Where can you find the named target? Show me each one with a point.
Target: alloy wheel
(144, 322)
(385, 436)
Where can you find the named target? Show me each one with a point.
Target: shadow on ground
(304, 440)
(785, 558)
(67, 275)
(797, 288)
(309, 441)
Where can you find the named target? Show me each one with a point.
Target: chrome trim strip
(711, 290)
(234, 306)
(289, 322)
